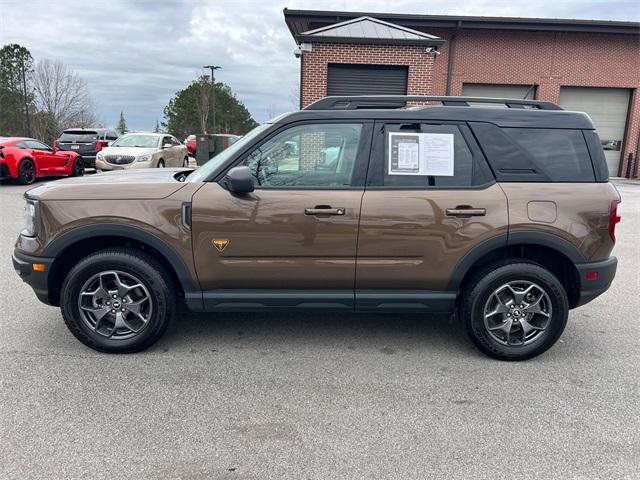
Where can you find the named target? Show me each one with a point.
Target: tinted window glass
(399, 137)
(320, 155)
(83, 136)
(560, 154)
(35, 145)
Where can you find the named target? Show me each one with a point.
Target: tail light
(56, 145)
(614, 219)
(99, 145)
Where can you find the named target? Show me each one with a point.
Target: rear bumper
(38, 281)
(602, 274)
(89, 161)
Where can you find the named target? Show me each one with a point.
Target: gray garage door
(521, 92)
(367, 79)
(607, 107)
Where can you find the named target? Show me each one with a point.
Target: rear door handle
(464, 211)
(324, 210)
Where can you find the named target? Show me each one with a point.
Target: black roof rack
(400, 101)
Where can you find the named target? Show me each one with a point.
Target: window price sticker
(428, 154)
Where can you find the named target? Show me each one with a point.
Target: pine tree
(122, 125)
(157, 128)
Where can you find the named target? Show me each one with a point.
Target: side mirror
(167, 145)
(239, 180)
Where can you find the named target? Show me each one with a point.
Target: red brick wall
(314, 66)
(548, 59)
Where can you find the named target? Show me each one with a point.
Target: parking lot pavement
(252, 396)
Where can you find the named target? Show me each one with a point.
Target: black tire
(185, 162)
(26, 172)
(481, 287)
(78, 167)
(161, 163)
(147, 271)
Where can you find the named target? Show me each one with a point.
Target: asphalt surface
(322, 396)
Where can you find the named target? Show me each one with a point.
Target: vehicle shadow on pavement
(388, 333)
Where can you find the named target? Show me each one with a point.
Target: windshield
(142, 141)
(212, 165)
(83, 136)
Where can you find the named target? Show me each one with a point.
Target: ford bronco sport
(503, 216)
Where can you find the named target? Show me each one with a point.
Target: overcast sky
(135, 55)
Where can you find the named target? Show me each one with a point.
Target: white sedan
(143, 150)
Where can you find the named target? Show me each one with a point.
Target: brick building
(585, 65)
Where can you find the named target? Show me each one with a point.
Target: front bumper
(595, 278)
(38, 280)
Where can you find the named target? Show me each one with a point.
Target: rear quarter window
(535, 154)
(560, 154)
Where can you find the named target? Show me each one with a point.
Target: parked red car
(25, 159)
(190, 142)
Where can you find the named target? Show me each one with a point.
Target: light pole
(213, 95)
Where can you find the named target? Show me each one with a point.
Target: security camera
(432, 50)
(297, 52)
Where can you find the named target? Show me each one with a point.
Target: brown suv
(498, 210)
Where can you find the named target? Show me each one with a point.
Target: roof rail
(400, 101)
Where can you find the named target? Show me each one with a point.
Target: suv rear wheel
(118, 300)
(514, 310)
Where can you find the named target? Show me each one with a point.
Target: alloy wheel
(27, 172)
(115, 304)
(517, 313)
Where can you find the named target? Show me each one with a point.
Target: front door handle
(465, 211)
(324, 210)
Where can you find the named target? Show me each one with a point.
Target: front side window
(312, 155)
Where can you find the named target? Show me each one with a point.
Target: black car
(87, 142)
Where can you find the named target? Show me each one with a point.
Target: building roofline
(298, 22)
(318, 35)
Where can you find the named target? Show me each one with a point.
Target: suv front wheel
(118, 300)
(514, 310)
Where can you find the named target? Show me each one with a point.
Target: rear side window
(560, 154)
(423, 155)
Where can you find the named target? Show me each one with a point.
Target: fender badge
(220, 244)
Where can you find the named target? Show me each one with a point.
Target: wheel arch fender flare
(530, 237)
(81, 233)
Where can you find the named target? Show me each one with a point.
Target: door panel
(297, 231)
(408, 242)
(414, 227)
(272, 243)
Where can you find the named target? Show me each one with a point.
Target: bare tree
(62, 99)
(203, 101)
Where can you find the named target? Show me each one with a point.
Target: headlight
(143, 158)
(30, 218)
(99, 156)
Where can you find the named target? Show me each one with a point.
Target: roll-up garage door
(521, 92)
(608, 108)
(347, 79)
